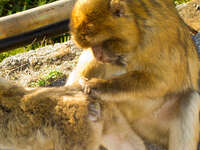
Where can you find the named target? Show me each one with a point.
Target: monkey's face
(107, 27)
(114, 29)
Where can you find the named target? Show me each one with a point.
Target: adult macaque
(140, 57)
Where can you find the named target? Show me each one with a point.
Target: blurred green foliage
(177, 2)
(8, 7)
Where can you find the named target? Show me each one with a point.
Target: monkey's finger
(85, 87)
(94, 111)
(82, 81)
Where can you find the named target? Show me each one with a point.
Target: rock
(33, 65)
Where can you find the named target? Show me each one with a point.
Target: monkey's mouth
(103, 55)
(100, 55)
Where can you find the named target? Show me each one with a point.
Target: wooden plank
(35, 18)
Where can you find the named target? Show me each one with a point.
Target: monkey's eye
(117, 8)
(118, 13)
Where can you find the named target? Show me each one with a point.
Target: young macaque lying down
(58, 119)
(45, 118)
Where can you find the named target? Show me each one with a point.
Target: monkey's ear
(119, 8)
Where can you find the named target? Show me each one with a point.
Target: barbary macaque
(45, 119)
(139, 56)
(59, 118)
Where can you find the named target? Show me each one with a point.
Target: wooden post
(35, 18)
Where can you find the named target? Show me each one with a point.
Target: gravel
(35, 64)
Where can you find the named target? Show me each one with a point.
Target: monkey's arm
(134, 85)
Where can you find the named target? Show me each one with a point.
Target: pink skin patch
(104, 56)
(100, 54)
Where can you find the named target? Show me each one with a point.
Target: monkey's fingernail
(87, 90)
(82, 81)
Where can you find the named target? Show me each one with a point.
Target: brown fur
(141, 57)
(60, 119)
(46, 119)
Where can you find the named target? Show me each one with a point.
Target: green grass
(8, 7)
(4, 55)
(177, 2)
(48, 79)
(12, 53)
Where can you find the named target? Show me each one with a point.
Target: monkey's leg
(118, 135)
(184, 130)
(96, 123)
(97, 136)
(87, 67)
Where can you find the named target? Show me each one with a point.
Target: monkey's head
(113, 29)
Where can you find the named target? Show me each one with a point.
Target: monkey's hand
(98, 88)
(92, 87)
(94, 108)
(133, 85)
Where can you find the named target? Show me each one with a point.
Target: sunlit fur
(143, 59)
(45, 119)
(60, 118)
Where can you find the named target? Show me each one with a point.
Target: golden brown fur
(141, 57)
(46, 119)
(59, 119)
(141, 62)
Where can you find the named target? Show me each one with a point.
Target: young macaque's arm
(134, 85)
